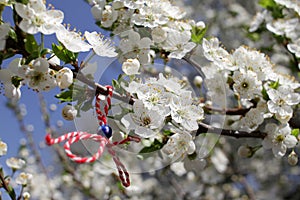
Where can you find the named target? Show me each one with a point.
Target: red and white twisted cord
(74, 137)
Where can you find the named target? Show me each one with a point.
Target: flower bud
(3, 148)
(26, 195)
(245, 151)
(198, 81)
(131, 66)
(64, 78)
(293, 158)
(69, 112)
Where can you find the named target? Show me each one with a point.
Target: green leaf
(23, 1)
(59, 52)
(11, 192)
(198, 34)
(64, 54)
(16, 81)
(156, 145)
(12, 34)
(274, 85)
(265, 94)
(65, 96)
(45, 51)
(167, 132)
(295, 132)
(32, 56)
(271, 5)
(31, 45)
(267, 3)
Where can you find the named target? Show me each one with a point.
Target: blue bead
(106, 130)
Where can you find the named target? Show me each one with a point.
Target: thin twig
(205, 128)
(28, 135)
(66, 164)
(6, 187)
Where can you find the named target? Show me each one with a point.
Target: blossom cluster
(162, 109)
(257, 86)
(164, 104)
(283, 24)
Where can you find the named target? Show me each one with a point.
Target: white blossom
(213, 52)
(253, 118)
(102, 47)
(97, 9)
(64, 77)
(3, 148)
(281, 100)
(150, 16)
(287, 27)
(279, 138)
(109, 16)
(292, 4)
(246, 84)
(178, 44)
(6, 75)
(219, 160)
(135, 47)
(293, 158)
(72, 40)
(144, 122)
(179, 145)
(135, 4)
(23, 178)
(15, 163)
(295, 47)
(159, 34)
(251, 60)
(184, 113)
(154, 97)
(36, 18)
(259, 18)
(4, 30)
(218, 89)
(38, 75)
(131, 66)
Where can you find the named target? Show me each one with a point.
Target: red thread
(74, 137)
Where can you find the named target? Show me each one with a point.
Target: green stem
(7, 188)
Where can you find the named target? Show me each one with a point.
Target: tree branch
(205, 128)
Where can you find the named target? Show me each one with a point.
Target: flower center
(245, 84)
(37, 77)
(38, 21)
(279, 138)
(146, 121)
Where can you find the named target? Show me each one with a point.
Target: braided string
(122, 171)
(74, 137)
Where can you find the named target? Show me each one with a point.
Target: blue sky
(77, 13)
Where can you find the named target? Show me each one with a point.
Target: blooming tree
(183, 105)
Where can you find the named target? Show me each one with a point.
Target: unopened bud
(198, 81)
(245, 151)
(293, 158)
(26, 195)
(69, 112)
